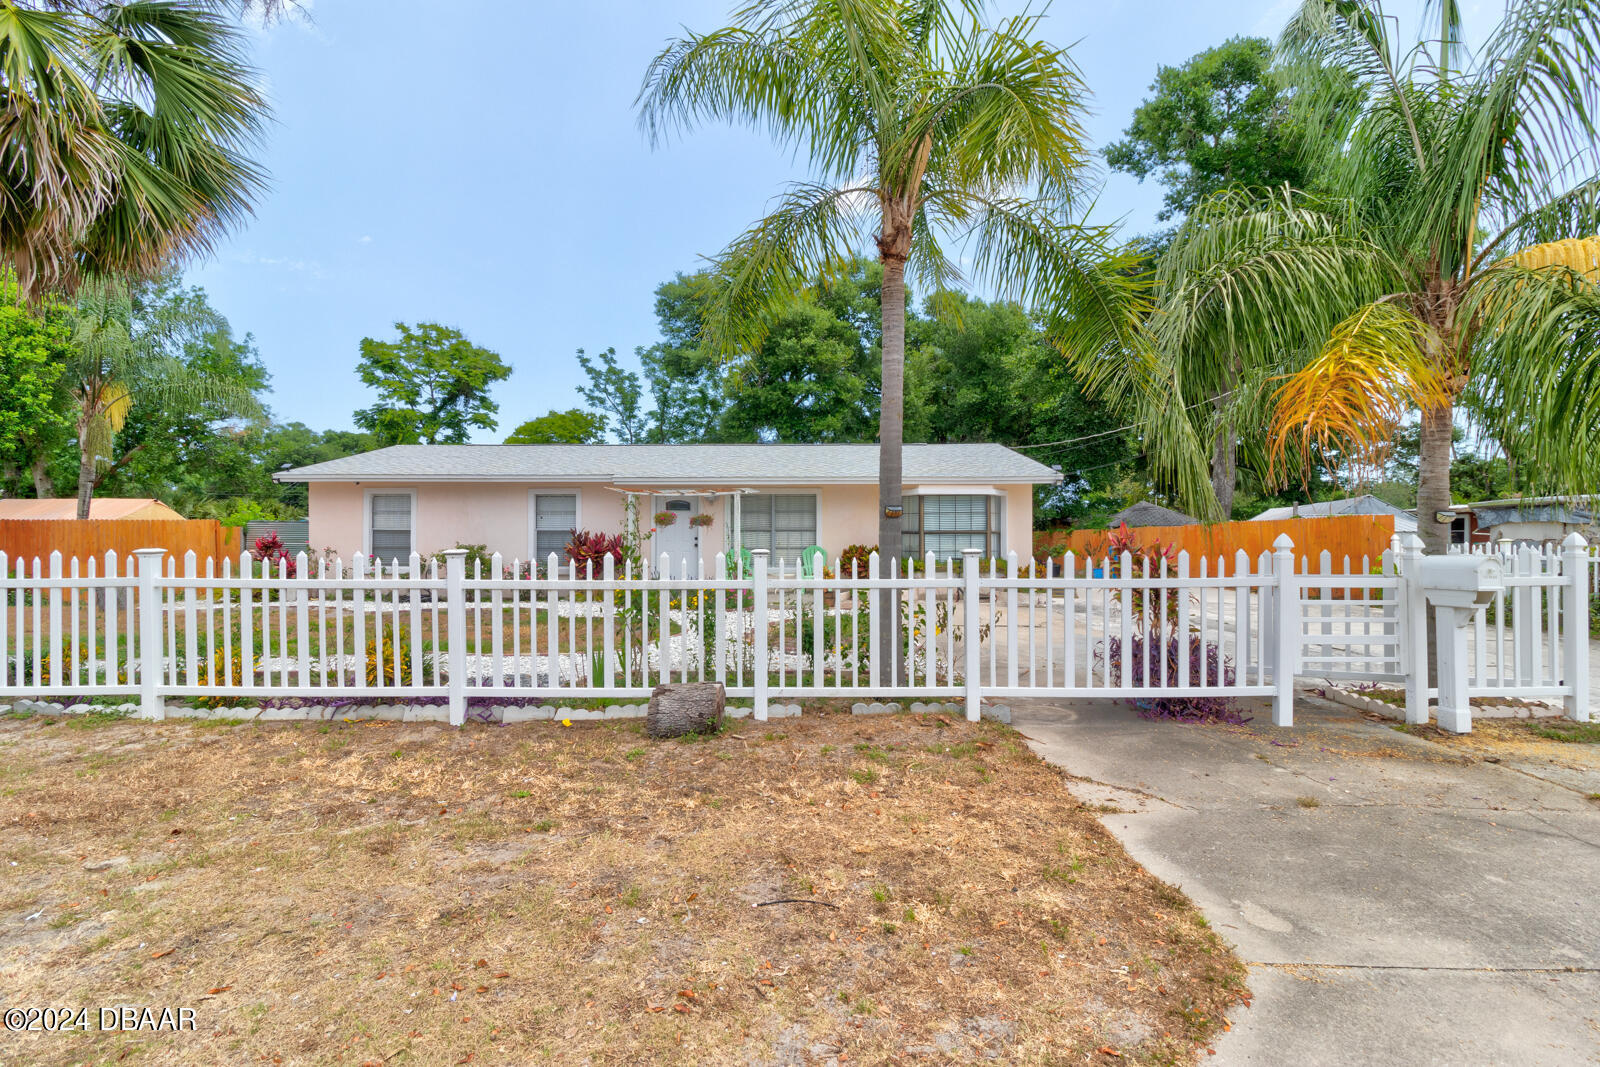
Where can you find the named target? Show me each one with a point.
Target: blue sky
(478, 164)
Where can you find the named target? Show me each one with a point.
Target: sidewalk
(1398, 901)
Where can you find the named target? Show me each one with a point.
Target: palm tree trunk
(85, 480)
(1224, 466)
(1433, 477)
(891, 431)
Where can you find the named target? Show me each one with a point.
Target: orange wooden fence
(83, 538)
(1341, 535)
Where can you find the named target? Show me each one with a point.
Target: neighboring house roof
(104, 507)
(1404, 521)
(676, 465)
(1568, 510)
(1145, 513)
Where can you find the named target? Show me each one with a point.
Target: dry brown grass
(362, 893)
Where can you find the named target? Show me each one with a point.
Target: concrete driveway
(1397, 900)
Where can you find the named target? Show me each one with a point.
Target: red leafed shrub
(586, 547)
(269, 550)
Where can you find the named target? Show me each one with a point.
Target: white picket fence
(1128, 628)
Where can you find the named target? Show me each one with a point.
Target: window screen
(391, 526)
(781, 523)
(555, 516)
(947, 525)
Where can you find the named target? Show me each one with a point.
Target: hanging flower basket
(666, 518)
(700, 520)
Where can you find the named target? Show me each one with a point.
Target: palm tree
(114, 363)
(921, 126)
(123, 135)
(1450, 256)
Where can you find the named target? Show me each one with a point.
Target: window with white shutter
(555, 517)
(781, 523)
(390, 533)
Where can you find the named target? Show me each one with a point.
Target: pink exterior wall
(497, 515)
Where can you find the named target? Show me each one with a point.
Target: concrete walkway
(1398, 901)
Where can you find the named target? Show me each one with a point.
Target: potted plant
(702, 520)
(666, 518)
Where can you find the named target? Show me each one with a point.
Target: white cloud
(309, 267)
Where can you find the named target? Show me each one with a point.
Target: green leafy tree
(617, 394)
(196, 456)
(288, 445)
(127, 129)
(116, 360)
(1219, 121)
(810, 379)
(571, 427)
(684, 375)
(433, 386)
(1450, 259)
(33, 401)
(918, 122)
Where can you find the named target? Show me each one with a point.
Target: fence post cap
(450, 552)
(1409, 542)
(149, 552)
(1283, 543)
(762, 552)
(971, 551)
(1574, 540)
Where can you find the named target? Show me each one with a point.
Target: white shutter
(390, 536)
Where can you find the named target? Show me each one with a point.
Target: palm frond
(814, 229)
(1536, 364)
(1374, 370)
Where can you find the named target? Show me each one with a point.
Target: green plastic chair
(813, 559)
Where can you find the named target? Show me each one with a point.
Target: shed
(1145, 513)
(107, 507)
(1366, 504)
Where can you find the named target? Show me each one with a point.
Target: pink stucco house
(524, 501)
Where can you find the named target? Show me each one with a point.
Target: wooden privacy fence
(1341, 536)
(85, 539)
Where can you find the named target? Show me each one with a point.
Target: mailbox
(1461, 581)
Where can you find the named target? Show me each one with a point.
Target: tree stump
(693, 707)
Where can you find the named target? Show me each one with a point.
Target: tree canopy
(1219, 121)
(433, 386)
(571, 427)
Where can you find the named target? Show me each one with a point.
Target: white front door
(680, 541)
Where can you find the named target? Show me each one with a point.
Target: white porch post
(738, 535)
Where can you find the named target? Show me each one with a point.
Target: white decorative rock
(997, 713)
(514, 714)
(737, 713)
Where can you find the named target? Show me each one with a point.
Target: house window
(389, 534)
(781, 523)
(946, 525)
(1458, 530)
(555, 517)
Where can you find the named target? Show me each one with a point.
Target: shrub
(478, 556)
(586, 548)
(858, 556)
(269, 550)
(1207, 666)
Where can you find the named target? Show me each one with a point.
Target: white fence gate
(1128, 628)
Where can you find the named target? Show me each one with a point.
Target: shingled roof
(1145, 513)
(673, 465)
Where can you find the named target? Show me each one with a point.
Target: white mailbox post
(1457, 587)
